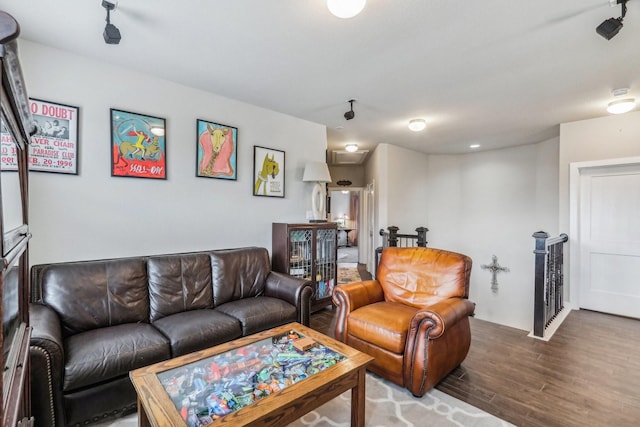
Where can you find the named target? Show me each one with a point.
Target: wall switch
(309, 214)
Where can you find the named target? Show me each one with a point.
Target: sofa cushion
(102, 354)
(259, 313)
(94, 294)
(195, 330)
(238, 273)
(179, 283)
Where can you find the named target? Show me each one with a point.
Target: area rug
(391, 406)
(348, 272)
(387, 406)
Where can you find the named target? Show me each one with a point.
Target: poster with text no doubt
(54, 147)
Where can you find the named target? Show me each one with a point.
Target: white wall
(94, 215)
(610, 137)
(479, 204)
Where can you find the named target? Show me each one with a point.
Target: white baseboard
(554, 325)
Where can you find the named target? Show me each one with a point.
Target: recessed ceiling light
(474, 146)
(417, 125)
(346, 8)
(621, 106)
(352, 148)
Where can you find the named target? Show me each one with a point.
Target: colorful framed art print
(138, 145)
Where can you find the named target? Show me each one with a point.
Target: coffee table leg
(358, 400)
(143, 420)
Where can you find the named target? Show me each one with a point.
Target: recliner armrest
(294, 290)
(350, 297)
(357, 294)
(444, 314)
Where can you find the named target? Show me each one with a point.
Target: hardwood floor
(588, 374)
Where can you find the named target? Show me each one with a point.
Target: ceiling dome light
(352, 148)
(621, 106)
(346, 8)
(417, 125)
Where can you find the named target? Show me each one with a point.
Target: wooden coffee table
(346, 370)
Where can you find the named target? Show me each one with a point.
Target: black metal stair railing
(394, 239)
(549, 279)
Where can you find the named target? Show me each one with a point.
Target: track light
(111, 32)
(612, 26)
(350, 114)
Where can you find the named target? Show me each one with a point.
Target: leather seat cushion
(259, 313)
(195, 330)
(384, 324)
(101, 354)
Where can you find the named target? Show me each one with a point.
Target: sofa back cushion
(95, 294)
(179, 283)
(420, 277)
(238, 273)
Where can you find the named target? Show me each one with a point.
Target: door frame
(361, 217)
(576, 171)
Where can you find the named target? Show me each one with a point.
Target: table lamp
(317, 172)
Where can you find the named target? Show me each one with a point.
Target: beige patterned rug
(348, 272)
(387, 406)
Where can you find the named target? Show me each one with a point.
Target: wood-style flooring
(588, 374)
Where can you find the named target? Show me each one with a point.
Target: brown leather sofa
(94, 321)
(414, 319)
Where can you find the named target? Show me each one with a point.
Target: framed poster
(8, 150)
(216, 150)
(54, 146)
(268, 172)
(138, 145)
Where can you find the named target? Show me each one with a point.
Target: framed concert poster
(54, 146)
(138, 145)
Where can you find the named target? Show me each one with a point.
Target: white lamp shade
(621, 106)
(346, 8)
(316, 172)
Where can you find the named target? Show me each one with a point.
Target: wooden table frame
(155, 407)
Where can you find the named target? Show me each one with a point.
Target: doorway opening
(344, 208)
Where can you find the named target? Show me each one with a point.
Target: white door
(609, 239)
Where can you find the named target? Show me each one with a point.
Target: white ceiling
(494, 72)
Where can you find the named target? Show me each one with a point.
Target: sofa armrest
(47, 366)
(295, 291)
(352, 296)
(443, 314)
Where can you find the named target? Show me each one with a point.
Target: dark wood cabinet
(309, 251)
(17, 126)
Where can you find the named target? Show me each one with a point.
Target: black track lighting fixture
(610, 27)
(350, 114)
(111, 32)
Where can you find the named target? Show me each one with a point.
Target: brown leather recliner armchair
(414, 319)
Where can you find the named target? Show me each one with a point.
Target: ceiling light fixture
(621, 106)
(350, 114)
(111, 32)
(417, 125)
(352, 148)
(474, 146)
(612, 26)
(346, 8)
